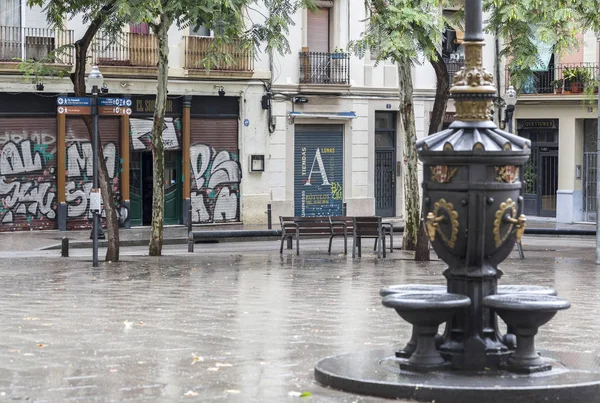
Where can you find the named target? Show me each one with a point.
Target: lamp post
(598, 167)
(511, 101)
(95, 80)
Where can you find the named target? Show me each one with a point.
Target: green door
(173, 189)
(140, 188)
(135, 189)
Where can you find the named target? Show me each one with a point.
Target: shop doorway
(141, 188)
(541, 170)
(385, 164)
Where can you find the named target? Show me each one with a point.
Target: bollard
(269, 221)
(189, 221)
(344, 209)
(190, 242)
(64, 247)
(190, 234)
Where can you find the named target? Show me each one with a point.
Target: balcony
(239, 56)
(324, 68)
(453, 66)
(35, 43)
(127, 49)
(561, 79)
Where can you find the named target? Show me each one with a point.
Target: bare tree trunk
(435, 125)
(158, 150)
(78, 79)
(411, 180)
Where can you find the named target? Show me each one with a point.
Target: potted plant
(338, 54)
(558, 85)
(577, 77)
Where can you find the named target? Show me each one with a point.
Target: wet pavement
(233, 322)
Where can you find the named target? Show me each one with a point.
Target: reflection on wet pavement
(232, 327)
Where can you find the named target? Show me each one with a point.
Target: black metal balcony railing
(197, 48)
(324, 68)
(560, 78)
(35, 43)
(453, 66)
(126, 49)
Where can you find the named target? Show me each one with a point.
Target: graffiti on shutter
(80, 174)
(141, 133)
(216, 179)
(27, 174)
(215, 170)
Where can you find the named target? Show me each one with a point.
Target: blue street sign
(73, 101)
(114, 102)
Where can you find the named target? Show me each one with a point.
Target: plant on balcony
(558, 85)
(338, 54)
(35, 70)
(577, 78)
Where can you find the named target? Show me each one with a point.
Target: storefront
(541, 170)
(79, 174)
(141, 163)
(318, 170)
(215, 160)
(28, 167)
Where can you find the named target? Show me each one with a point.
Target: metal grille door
(384, 183)
(549, 184)
(590, 173)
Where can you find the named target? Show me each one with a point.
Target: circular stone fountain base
(574, 378)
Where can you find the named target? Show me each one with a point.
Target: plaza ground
(232, 322)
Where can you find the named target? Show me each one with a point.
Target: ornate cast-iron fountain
(473, 208)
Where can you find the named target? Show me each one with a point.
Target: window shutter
(318, 30)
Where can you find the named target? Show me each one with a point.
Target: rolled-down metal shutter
(28, 198)
(318, 170)
(215, 170)
(79, 174)
(318, 30)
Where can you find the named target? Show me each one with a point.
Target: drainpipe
(498, 106)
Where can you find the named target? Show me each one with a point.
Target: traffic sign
(74, 110)
(73, 101)
(113, 110)
(114, 102)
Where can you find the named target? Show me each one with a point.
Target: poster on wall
(318, 170)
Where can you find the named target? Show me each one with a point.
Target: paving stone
(234, 323)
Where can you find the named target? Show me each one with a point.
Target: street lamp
(95, 80)
(511, 101)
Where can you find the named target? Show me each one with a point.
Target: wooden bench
(309, 227)
(368, 227)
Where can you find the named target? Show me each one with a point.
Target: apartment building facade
(313, 132)
(557, 111)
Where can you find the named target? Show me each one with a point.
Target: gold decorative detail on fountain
(433, 222)
(473, 109)
(472, 80)
(503, 215)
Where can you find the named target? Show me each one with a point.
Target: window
(318, 30)
(141, 28)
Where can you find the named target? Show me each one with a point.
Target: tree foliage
(522, 24)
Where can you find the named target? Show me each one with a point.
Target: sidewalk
(177, 234)
(235, 322)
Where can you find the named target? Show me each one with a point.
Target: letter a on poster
(319, 160)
